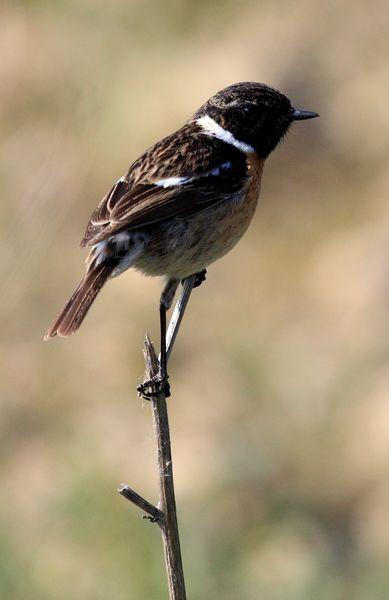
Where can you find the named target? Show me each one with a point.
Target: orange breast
(255, 167)
(180, 247)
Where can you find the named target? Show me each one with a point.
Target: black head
(254, 113)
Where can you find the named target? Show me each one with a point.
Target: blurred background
(280, 412)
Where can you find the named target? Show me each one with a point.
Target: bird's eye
(246, 109)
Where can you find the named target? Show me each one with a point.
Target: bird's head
(254, 113)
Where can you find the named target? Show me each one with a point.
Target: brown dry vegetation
(280, 410)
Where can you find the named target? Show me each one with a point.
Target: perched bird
(186, 201)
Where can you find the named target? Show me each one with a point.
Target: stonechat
(186, 201)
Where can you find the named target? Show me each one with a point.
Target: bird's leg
(163, 356)
(160, 383)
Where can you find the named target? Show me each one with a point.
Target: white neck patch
(213, 129)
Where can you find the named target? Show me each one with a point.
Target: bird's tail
(75, 310)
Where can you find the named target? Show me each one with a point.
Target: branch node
(152, 519)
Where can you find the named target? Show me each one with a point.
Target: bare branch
(167, 502)
(155, 514)
(166, 514)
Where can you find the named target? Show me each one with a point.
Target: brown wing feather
(136, 200)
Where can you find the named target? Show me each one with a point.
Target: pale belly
(181, 247)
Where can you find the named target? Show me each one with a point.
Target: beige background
(280, 410)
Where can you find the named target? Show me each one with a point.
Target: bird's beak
(301, 115)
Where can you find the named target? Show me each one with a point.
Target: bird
(185, 202)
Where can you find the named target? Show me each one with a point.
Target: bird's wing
(178, 177)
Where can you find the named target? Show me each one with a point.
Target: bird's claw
(153, 387)
(200, 278)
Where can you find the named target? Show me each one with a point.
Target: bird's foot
(200, 278)
(151, 388)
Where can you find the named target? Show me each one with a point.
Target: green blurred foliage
(280, 415)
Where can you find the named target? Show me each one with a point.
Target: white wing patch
(213, 129)
(176, 181)
(172, 181)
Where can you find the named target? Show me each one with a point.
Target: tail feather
(75, 310)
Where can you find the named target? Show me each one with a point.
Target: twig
(155, 515)
(167, 502)
(165, 515)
